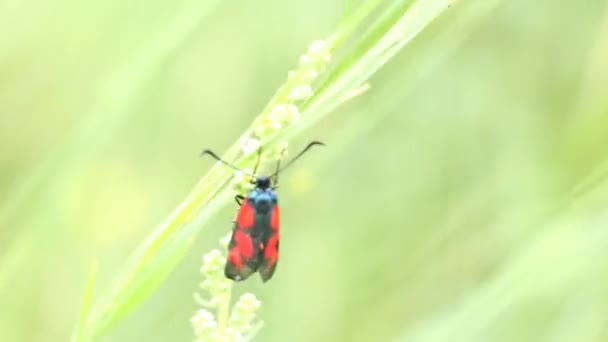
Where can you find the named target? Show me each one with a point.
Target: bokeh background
(463, 198)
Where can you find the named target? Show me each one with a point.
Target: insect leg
(255, 168)
(239, 199)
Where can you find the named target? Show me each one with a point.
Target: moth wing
(270, 252)
(241, 250)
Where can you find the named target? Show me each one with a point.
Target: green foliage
(160, 252)
(461, 198)
(226, 325)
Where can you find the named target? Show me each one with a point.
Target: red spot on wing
(271, 252)
(270, 257)
(242, 256)
(243, 244)
(274, 218)
(235, 258)
(246, 216)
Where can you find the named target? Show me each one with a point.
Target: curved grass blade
(160, 252)
(81, 334)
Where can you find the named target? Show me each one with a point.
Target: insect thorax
(262, 200)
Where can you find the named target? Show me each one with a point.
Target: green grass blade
(111, 109)
(160, 252)
(151, 264)
(568, 254)
(387, 42)
(81, 334)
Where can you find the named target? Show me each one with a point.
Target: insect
(254, 245)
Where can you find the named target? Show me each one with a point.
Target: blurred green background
(463, 198)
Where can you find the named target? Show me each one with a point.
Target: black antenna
(311, 144)
(214, 156)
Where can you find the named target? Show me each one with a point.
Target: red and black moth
(254, 245)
